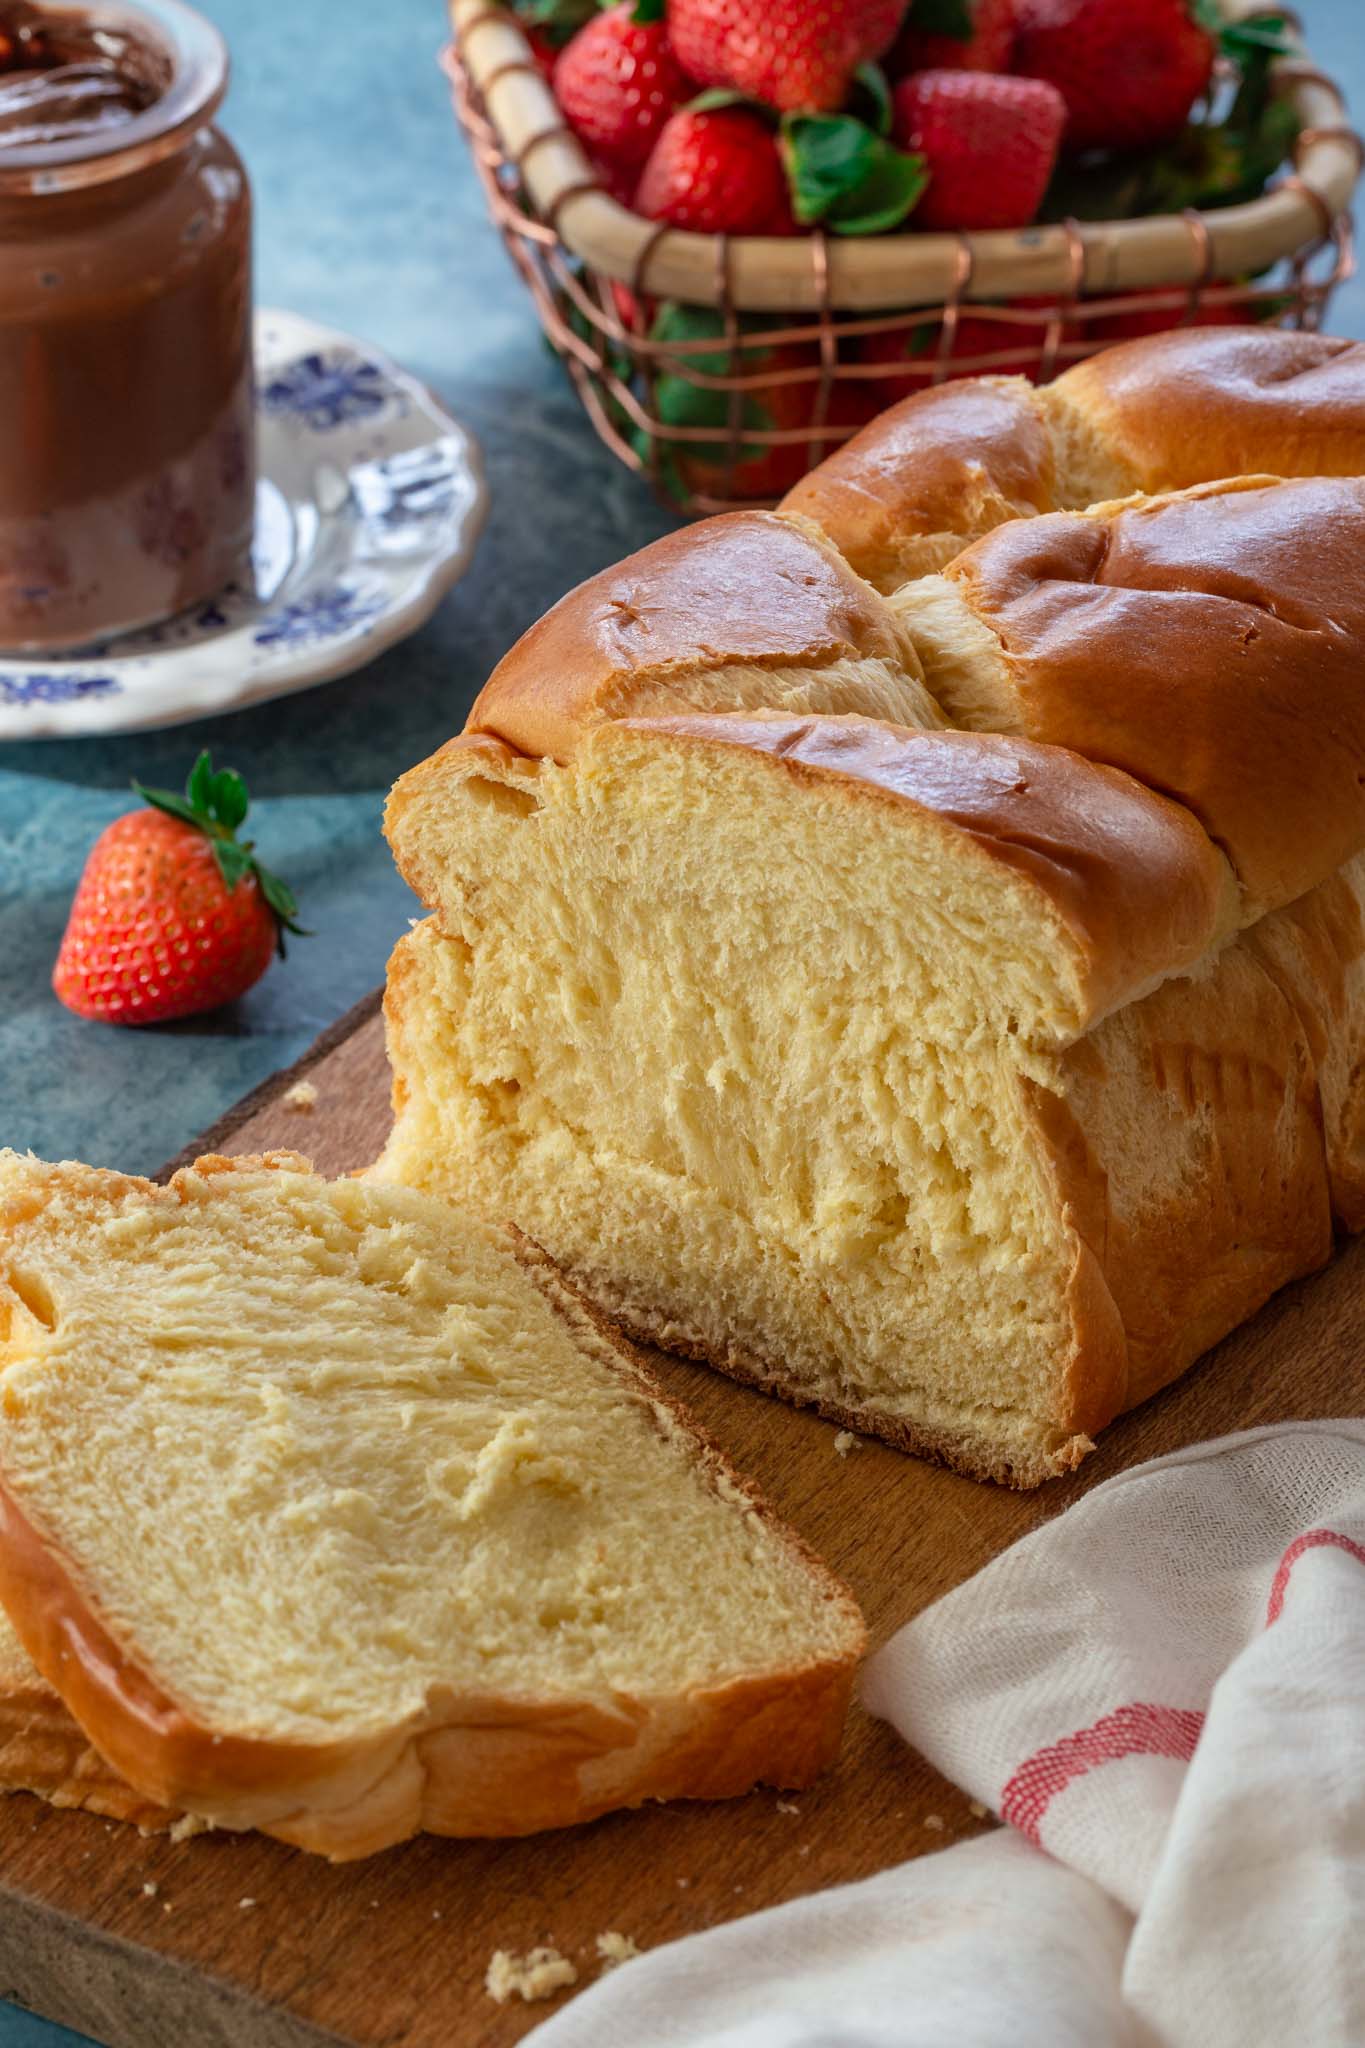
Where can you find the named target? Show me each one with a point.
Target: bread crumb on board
(934, 1821)
(187, 1825)
(615, 1948)
(538, 1974)
(977, 1808)
(150, 1889)
(302, 1098)
(787, 1806)
(845, 1442)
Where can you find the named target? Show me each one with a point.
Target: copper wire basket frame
(581, 318)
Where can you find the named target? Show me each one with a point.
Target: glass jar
(127, 453)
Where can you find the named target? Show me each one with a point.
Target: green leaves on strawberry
(846, 176)
(216, 803)
(558, 20)
(941, 18)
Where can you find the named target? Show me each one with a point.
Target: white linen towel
(1162, 1693)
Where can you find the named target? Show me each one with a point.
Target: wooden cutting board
(148, 1944)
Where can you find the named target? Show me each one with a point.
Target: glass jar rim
(199, 76)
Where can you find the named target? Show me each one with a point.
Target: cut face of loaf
(1211, 643)
(825, 1052)
(936, 472)
(332, 1513)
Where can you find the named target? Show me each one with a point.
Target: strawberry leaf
(228, 802)
(717, 96)
(942, 18)
(870, 80)
(648, 10)
(843, 174)
(678, 402)
(234, 861)
(216, 804)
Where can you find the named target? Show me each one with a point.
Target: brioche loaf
(469, 1571)
(965, 1052)
(946, 466)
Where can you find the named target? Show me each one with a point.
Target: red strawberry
(719, 173)
(987, 48)
(912, 357)
(770, 472)
(618, 81)
(789, 53)
(988, 144)
(173, 914)
(619, 179)
(1129, 70)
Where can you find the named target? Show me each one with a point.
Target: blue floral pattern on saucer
(324, 391)
(369, 501)
(53, 687)
(322, 615)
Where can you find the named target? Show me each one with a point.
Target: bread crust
(745, 588)
(1211, 643)
(42, 1750)
(909, 490)
(1196, 404)
(468, 1764)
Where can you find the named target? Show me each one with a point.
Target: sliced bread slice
(43, 1750)
(330, 1512)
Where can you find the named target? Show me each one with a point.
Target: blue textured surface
(368, 218)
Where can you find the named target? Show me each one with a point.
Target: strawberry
(617, 83)
(789, 53)
(988, 144)
(986, 44)
(719, 173)
(911, 358)
(174, 914)
(1129, 70)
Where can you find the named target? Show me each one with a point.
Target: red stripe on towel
(1312, 1539)
(1140, 1729)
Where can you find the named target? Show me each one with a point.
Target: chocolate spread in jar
(126, 491)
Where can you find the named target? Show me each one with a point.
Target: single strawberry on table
(788, 53)
(174, 914)
(1129, 70)
(717, 172)
(988, 145)
(954, 35)
(618, 81)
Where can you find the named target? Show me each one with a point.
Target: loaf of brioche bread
(944, 1007)
(1189, 407)
(467, 1570)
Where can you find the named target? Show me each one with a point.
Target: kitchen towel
(1162, 1694)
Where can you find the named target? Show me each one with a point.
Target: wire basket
(723, 367)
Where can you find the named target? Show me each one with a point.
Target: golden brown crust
(1201, 403)
(1133, 877)
(1211, 643)
(744, 588)
(937, 470)
(469, 1765)
(43, 1750)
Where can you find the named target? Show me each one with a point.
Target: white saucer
(369, 503)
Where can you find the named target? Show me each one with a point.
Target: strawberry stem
(216, 803)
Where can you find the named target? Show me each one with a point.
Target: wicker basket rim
(769, 274)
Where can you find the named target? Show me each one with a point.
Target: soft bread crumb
(615, 1948)
(188, 1824)
(538, 1974)
(245, 1904)
(977, 1809)
(845, 1442)
(150, 1889)
(934, 1821)
(787, 1806)
(302, 1098)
